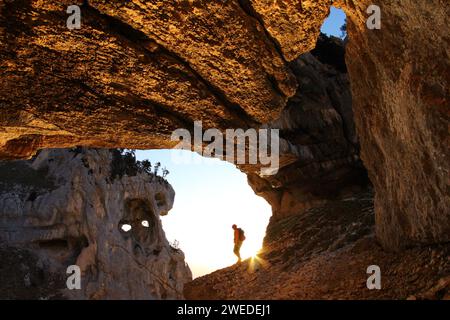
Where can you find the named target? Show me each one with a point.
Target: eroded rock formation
(67, 207)
(320, 151)
(136, 70)
(400, 78)
(321, 237)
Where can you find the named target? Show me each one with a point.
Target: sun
(250, 249)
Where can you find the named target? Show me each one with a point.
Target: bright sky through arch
(212, 195)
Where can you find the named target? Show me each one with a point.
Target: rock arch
(135, 71)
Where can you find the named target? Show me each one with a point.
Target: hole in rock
(141, 220)
(210, 196)
(329, 47)
(125, 227)
(336, 24)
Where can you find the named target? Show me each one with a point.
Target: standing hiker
(239, 237)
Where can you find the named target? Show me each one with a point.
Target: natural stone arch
(56, 97)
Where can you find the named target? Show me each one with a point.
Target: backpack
(241, 235)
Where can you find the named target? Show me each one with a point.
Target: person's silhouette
(239, 238)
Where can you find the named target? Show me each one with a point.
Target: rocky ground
(324, 253)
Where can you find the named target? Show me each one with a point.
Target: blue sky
(334, 22)
(211, 195)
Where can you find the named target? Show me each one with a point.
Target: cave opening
(335, 24)
(211, 196)
(230, 66)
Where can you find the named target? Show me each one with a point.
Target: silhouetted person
(239, 237)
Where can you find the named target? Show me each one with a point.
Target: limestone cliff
(67, 207)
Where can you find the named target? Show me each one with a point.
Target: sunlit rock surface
(67, 207)
(133, 73)
(137, 70)
(400, 79)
